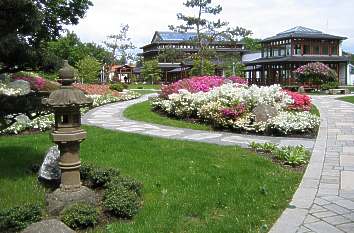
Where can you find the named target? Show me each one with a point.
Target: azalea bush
(197, 84)
(232, 106)
(315, 73)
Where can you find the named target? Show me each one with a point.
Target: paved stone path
(324, 201)
(111, 117)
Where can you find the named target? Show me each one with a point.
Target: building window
(316, 49)
(282, 52)
(325, 50)
(334, 50)
(288, 50)
(297, 49)
(275, 52)
(307, 49)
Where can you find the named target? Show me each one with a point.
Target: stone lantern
(67, 134)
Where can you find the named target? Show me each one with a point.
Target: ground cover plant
(224, 104)
(289, 155)
(188, 187)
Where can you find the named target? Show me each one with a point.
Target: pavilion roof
(298, 59)
(303, 32)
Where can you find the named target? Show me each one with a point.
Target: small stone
(50, 168)
(264, 112)
(48, 226)
(23, 85)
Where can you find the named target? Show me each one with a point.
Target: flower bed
(96, 89)
(45, 122)
(234, 106)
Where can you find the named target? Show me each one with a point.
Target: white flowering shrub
(231, 106)
(4, 90)
(43, 123)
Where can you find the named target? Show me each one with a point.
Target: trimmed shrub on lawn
(120, 201)
(80, 216)
(17, 218)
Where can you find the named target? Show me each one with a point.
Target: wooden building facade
(285, 52)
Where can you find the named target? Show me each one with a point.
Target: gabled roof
(303, 32)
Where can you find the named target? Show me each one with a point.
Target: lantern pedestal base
(58, 200)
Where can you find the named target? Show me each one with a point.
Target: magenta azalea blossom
(199, 84)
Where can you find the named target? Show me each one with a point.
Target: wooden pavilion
(285, 52)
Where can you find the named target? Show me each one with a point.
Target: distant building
(283, 53)
(351, 74)
(184, 44)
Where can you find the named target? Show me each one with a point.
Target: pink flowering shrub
(239, 80)
(234, 111)
(315, 73)
(36, 83)
(198, 84)
(301, 102)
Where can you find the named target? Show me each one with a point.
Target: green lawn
(142, 112)
(349, 99)
(188, 187)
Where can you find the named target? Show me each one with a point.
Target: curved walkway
(111, 117)
(324, 201)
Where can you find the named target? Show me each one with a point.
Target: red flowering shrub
(301, 102)
(95, 89)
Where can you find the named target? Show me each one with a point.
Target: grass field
(142, 112)
(349, 99)
(188, 187)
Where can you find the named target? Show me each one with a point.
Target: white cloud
(264, 17)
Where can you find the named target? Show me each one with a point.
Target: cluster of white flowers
(289, 122)
(207, 107)
(45, 122)
(4, 90)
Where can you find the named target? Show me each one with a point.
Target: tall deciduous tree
(26, 24)
(120, 45)
(88, 70)
(151, 71)
(206, 30)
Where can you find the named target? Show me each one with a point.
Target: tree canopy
(26, 24)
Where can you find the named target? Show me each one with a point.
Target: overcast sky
(264, 17)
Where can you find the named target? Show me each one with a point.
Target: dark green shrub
(97, 176)
(100, 176)
(118, 86)
(85, 171)
(120, 201)
(330, 85)
(80, 216)
(17, 218)
(128, 182)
